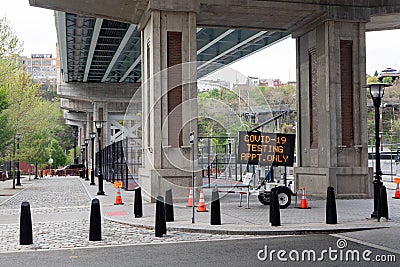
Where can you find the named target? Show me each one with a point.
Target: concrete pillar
(169, 102)
(332, 145)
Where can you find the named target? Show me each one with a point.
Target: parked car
(70, 170)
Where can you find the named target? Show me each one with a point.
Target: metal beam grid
(110, 36)
(230, 49)
(127, 54)
(100, 50)
(78, 36)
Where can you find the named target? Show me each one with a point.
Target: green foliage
(70, 156)
(57, 154)
(372, 79)
(387, 80)
(376, 74)
(10, 47)
(222, 111)
(23, 110)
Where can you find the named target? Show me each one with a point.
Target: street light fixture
(99, 125)
(377, 90)
(191, 140)
(50, 162)
(230, 155)
(18, 140)
(92, 137)
(75, 135)
(86, 160)
(82, 173)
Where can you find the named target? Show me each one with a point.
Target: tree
(376, 74)
(387, 80)
(10, 46)
(23, 110)
(57, 153)
(372, 79)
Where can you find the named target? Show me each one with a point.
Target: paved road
(61, 206)
(243, 252)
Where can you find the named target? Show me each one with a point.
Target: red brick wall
(174, 61)
(347, 91)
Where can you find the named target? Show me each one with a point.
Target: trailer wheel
(284, 198)
(264, 198)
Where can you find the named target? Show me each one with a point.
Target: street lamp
(18, 140)
(230, 155)
(99, 125)
(82, 174)
(50, 162)
(86, 160)
(377, 90)
(191, 140)
(92, 137)
(75, 135)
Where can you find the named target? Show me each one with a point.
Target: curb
(16, 194)
(251, 232)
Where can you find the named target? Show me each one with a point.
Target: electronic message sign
(266, 149)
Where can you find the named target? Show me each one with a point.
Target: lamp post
(50, 162)
(99, 125)
(18, 140)
(86, 160)
(230, 155)
(82, 174)
(377, 90)
(75, 135)
(191, 139)
(92, 137)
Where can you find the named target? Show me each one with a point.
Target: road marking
(365, 243)
(116, 213)
(158, 242)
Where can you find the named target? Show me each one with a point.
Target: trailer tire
(264, 198)
(284, 197)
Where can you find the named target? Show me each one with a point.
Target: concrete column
(169, 102)
(332, 110)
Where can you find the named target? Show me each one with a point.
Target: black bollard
(161, 224)
(274, 209)
(169, 206)
(25, 231)
(331, 215)
(382, 204)
(95, 221)
(215, 208)
(137, 208)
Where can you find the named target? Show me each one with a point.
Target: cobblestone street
(59, 200)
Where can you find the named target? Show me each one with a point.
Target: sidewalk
(6, 190)
(352, 215)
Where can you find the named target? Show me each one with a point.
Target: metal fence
(121, 162)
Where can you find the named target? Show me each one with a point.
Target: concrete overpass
(332, 139)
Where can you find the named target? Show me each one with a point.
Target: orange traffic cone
(303, 202)
(397, 194)
(190, 200)
(202, 204)
(118, 198)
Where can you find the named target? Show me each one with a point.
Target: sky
(35, 27)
